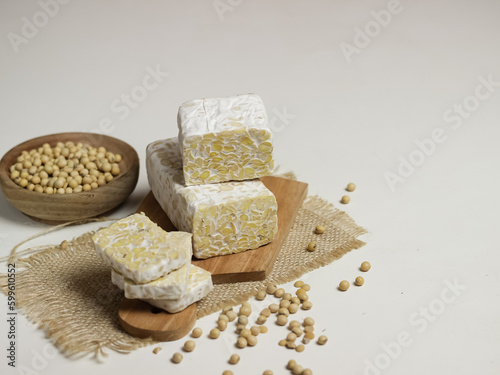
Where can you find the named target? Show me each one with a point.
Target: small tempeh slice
(199, 285)
(171, 286)
(140, 250)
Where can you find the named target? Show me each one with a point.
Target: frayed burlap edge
(52, 315)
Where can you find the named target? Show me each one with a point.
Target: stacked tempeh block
(151, 264)
(220, 140)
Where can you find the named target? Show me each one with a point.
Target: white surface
(351, 122)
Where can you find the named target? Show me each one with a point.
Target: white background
(350, 118)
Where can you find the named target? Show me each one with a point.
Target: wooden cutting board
(142, 320)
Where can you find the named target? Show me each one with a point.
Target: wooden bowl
(75, 206)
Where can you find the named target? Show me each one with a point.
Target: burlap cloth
(69, 294)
